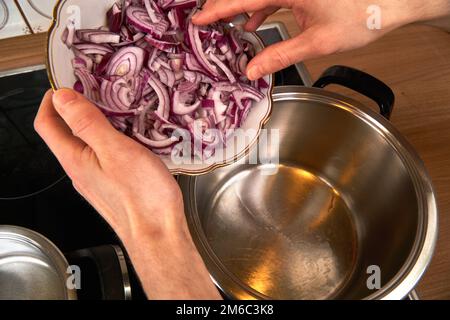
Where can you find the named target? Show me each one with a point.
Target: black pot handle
(360, 82)
(104, 273)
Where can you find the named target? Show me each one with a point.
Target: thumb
(85, 120)
(281, 55)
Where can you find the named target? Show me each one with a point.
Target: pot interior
(341, 203)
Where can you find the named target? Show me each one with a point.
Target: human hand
(133, 191)
(327, 26)
(120, 178)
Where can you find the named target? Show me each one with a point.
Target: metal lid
(31, 267)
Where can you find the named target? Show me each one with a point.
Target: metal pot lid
(31, 267)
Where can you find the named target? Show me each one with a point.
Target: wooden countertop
(22, 51)
(415, 62)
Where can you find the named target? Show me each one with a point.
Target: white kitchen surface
(11, 21)
(38, 13)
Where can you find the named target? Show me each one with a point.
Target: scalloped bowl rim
(266, 104)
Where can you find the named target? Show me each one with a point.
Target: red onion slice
(139, 18)
(179, 105)
(114, 17)
(197, 48)
(127, 62)
(163, 96)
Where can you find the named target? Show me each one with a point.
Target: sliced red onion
(162, 45)
(91, 48)
(151, 71)
(101, 67)
(188, 86)
(247, 93)
(154, 16)
(192, 63)
(167, 77)
(126, 33)
(223, 67)
(79, 63)
(138, 17)
(156, 5)
(127, 62)
(179, 105)
(241, 64)
(163, 96)
(217, 35)
(220, 108)
(114, 17)
(164, 4)
(205, 35)
(262, 84)
(68, 36)
(197, 48)
(225, 86)
(155, 143)
(182, 4)
(78, 86)
(235, 41)
(116, 113)
(98, 36)
(88, 62)
(177, 61)
(158, 136)
(90, 85)
(111, 97)
(177, 18)
(208, 104)
(162, 151)
(118, 123)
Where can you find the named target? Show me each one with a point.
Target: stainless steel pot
(350, 205)
(31, 267)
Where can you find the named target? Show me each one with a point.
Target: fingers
(85, 120)
(56, 133)
(283, 54)
(258, 18)
(215, 10)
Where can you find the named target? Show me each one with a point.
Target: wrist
(168, 263)
(156, 225)
(420, 10)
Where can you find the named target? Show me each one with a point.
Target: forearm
(168, 263)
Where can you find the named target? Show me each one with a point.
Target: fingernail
(253, 73)
(63, 97)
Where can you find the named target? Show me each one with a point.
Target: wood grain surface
(415, 62)
(22, 51)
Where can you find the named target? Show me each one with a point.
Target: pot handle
(103, 271)
(360, 82)
(413, 295)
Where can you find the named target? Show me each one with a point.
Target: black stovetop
(34, 191)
